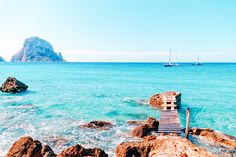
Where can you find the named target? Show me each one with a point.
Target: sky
(123, 30)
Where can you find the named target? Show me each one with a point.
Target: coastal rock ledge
(37, 50)
(78, 150)
(151, 124)
(12, 85)
(158, 100)
(214, 137)
(27, 147)
(162, 146)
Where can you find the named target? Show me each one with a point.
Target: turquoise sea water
(61, 96)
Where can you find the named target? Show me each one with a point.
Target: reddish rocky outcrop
(160, 146)
(79, 151)
(157, 100)
(101, 125)
(27, 147)
(151, 124)
(47, 151)
(213, 136)
(134, 122)
(12, 85)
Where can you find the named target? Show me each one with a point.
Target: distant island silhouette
(36, 49)
(1, 59)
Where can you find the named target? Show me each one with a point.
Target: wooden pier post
(187, 122)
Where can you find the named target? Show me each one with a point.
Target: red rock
(133, 122)
(150, 137)
(25, 147)
(151, 124)
(213, 136)
(79, 151)
(162, 134)
(47, 151)
(12, 85)
(102, 125)
(141, 131)
(164, 146)
(157, 100)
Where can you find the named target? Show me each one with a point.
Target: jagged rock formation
(159, 100)
(101, 125)
(27, 147)
(151, 124)
(161, 146)
(1, 59)
(12, 85)
(215, 137)
(78, 150)
(37, 50)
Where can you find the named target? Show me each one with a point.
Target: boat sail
(170, 64)
(198, 63)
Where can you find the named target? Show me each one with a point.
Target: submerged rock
(157, 100)
(134, 122)
(151, 124)
(160, 146)
(12, 85)
(37, 50)
(27, 147)
(79, 151)
(215, 137)
(102, 125)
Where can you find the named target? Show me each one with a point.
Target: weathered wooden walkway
(169, 122)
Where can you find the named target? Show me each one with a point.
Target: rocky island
(37, 50)
(1, 59)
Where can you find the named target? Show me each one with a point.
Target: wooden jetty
(169, 122)
(169, 117)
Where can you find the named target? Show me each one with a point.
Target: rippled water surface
(61, 96)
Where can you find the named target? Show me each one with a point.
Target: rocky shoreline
(146, 141)
(150, 143)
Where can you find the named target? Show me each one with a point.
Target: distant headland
(1, 59)
(36, 49)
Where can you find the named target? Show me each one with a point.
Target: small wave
(100, 95)
(10, 99)
(27, 92)
(136, 101)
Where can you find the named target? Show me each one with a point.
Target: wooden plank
(170, 130)
(169, 122)
(170, 126)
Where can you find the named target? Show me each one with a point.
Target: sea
(63, 96)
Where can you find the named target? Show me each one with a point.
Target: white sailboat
(198, 63)
(170, 64)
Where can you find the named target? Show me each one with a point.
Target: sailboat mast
(170, 57)
(198, 58)
(176, 57)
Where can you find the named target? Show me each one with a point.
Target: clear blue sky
(123, 30)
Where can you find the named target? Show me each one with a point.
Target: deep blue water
(61, 96)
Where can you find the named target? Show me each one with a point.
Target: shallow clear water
(61, 96)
